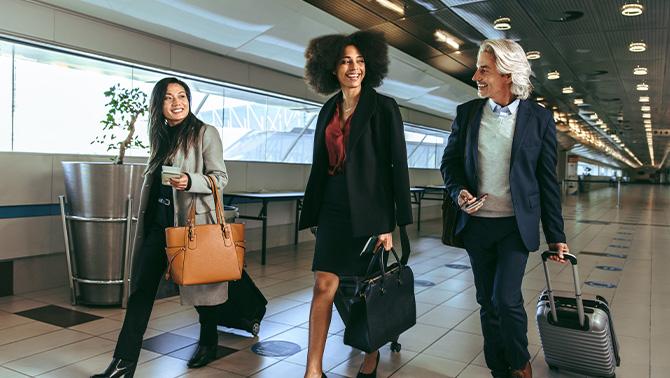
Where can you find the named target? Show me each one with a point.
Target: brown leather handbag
(205, 253)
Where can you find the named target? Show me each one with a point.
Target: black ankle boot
(117, 369)
(373, 374)
(202, 356)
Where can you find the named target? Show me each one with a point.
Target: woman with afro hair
(359, 182)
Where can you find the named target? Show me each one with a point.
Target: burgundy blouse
(336, 142)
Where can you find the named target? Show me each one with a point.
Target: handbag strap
(404, 244)
(402, 260)
(217, 204)
(217, 201)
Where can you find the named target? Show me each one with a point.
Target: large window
(53, 101)
(424, 146)
(5, 96)
(591, 169)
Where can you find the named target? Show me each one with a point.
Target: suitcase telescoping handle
(575, 274)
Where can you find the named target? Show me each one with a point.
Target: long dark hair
(162, 146)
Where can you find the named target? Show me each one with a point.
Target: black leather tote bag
(383, 306)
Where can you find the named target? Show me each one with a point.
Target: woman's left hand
(386, 240)
(180, 183)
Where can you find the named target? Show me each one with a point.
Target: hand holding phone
(475, 205)
(168, 172)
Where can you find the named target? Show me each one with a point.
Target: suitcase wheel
(256, 328)
(395, 346)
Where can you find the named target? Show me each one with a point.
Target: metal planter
(98, 212)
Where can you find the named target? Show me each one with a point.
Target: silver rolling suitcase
(577, 334)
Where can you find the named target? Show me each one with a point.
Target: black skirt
(337, 250)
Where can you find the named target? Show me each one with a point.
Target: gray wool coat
(206, 158)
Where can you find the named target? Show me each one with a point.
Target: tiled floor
(446, 342)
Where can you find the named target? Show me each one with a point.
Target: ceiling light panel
(640, 71)
(503, 23)
(637, 47)
(631, 9)
(532, 55)
(444, 37)
(390, 5)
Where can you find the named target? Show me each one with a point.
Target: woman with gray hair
(499, 166)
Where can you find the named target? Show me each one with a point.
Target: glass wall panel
(52, 102)
(265, 128)
(425, 146)
(59, 100)
(6, 96)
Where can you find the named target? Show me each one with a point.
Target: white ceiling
(272, 34)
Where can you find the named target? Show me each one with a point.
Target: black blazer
(532, 177)
(375, 166)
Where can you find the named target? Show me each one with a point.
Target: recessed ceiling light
(392, 6)
(637, 47)
(642, 87)
(645, 108)
(593, 116)
(567, 90)
(539, 99)
(503, 23)
(578, 101)
(644, 98)
(647, 121)
(632, 9)
(646, 115)
(553, 75)
(640, 71)
(532, 55)
(444, 37)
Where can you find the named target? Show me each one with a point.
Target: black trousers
(498, 257)
(151, 264)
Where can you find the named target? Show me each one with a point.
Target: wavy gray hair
(510, 59)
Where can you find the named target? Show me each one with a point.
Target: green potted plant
(125, 106)
(100, 206)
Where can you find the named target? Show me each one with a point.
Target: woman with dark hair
(359, 182)
(178, 138)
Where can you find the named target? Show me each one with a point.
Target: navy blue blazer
(375, 166)
(532, 177)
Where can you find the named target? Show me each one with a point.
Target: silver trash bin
(230, 213)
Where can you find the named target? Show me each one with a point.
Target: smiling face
(490, 82)
(175, 104)
(350, 70)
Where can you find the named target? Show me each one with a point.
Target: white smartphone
(169, 172)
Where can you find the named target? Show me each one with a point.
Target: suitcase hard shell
(245, 306)
(588, 346)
